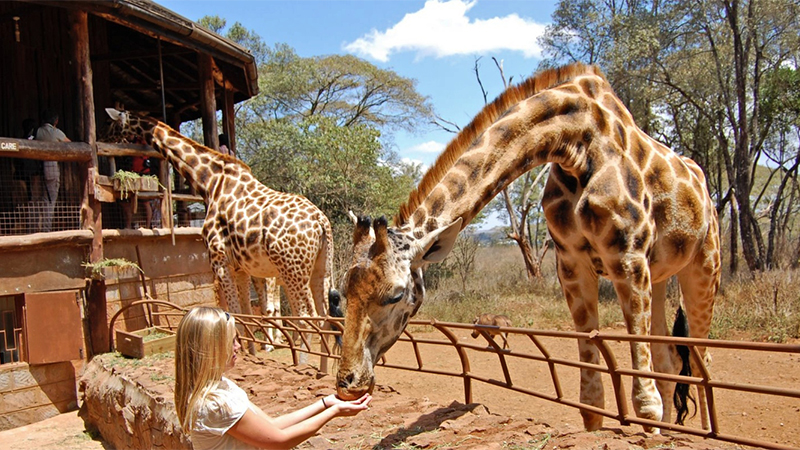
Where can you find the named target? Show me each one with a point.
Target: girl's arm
(261, 431)
(300, 415)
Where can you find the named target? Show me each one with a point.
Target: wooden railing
(256, 330)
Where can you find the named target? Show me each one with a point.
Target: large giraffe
(618, 204)
(250, 229)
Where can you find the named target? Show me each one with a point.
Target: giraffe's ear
(117, 116)
(438, 243)
(363, 234)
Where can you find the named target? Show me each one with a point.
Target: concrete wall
(178, 274)
(34, 393)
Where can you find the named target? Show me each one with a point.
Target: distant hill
(492, 236)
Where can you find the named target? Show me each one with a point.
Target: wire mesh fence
(30, 203)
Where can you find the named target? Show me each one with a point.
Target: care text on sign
(8, 146)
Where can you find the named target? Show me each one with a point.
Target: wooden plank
(105, 194)
(176, 197)
(45, 151)
(109, 149)
(52, 239)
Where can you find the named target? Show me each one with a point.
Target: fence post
(616, 378)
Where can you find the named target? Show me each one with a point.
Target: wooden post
(92, 219)
(229, 119)
(208, 101)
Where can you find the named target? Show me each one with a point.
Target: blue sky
(434, 42)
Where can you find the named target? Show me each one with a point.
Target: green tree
(343, 87)
(691, 73)
(780, 99)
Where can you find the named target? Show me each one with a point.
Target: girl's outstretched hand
(348, 408)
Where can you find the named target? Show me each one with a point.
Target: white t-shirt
(218, 415)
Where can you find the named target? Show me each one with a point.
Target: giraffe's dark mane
(486, 117)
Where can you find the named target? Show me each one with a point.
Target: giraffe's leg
(579, 284)
(699, 283)
(319, 284)
(227, 294)
(243, 298)
(301, 302)
(259, 285)
(274, 306)
(665, 358)
(242, 280)
(634, 292)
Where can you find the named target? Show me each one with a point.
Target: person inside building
(49, 132)
(217, 413)
(129, 203)
(29, 171)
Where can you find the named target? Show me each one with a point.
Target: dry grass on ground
(764, 307)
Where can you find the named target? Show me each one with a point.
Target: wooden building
(77, 58)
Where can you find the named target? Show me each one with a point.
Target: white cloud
(426, 147)
(442, 28)
(410, 161)
(423, 154)
(423, 166)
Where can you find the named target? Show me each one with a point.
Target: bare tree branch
(446, 125)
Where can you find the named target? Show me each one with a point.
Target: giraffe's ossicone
(618, 204)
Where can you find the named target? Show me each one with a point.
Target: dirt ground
(414, 410)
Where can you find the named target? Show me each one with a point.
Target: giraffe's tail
(682, 395)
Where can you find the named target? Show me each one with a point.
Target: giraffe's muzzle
(350, 387)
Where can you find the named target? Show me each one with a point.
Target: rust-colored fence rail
(300, 335)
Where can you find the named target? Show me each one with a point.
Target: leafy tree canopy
(322, 126)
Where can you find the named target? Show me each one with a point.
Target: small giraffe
(250, 229)
(618, 204)
(493, 320)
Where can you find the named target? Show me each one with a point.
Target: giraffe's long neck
(561, 125)
(202, 167)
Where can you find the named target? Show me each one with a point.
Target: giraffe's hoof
(591, 421)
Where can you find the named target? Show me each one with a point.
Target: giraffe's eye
(392, 300)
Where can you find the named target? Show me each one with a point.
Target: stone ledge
(125, 413)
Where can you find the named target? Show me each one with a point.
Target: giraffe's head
(383, 289)
(125, 127)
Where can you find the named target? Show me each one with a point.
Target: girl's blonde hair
(204, 347)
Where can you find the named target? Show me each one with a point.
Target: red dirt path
(413, 410)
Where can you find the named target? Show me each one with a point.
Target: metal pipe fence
(298, 336)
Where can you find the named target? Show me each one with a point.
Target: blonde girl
(217, 413)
